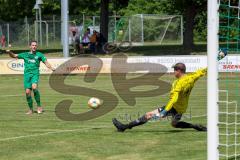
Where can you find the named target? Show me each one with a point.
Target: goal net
(144, 29)
(229, 80)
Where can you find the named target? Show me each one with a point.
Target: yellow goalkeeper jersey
(181, 89)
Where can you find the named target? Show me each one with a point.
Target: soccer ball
(222, 53)
(94, 102)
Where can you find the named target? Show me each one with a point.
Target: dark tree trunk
(104, 20)
(188, 41)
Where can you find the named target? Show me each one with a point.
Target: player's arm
(11, 54)
(202, 72)
(44, 60)
(49, 65)
(199, 73)
(173, 99)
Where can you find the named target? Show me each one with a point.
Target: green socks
(37, 97)
(29, 101)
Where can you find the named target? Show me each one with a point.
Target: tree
(104, 20)
(143, 7)
(104, 15)
(51, 7)
(189, 14)
(89, 7)
(11, 10)
(190, 9)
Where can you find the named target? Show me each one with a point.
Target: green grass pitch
(41, 137)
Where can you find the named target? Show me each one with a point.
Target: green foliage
(200, 31)
(173, 7)
(143, 7)
(51, 7)
(88, 7)
(11, 10)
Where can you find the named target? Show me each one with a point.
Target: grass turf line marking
(17, 95)
(48, 133)
(204, 115)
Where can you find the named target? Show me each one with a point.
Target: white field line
(204, 115)
(13, 95)
(48, 133)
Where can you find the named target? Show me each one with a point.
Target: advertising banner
(143, 64)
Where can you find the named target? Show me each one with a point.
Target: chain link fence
(138, 29)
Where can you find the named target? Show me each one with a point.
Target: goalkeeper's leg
(140, 121)
(176, 123)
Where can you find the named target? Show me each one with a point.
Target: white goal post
(64, 27)
(212, 81)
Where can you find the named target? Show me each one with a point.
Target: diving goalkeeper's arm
(184, 86)
(180, 92)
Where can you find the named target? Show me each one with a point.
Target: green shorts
(29, 79)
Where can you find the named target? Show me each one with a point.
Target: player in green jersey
(32, 61)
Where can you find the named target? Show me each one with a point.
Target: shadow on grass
(35, 111)
(160, 131)
(156, 50)
(97, 128)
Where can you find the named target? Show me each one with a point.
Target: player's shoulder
(41, 56)
(185, 76)
(178, 84)
(197, 73)
(178, 81)
(188, 76)
(39, 53)
(23, 53)
(184, 79)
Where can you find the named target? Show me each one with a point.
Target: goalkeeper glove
(163, 113)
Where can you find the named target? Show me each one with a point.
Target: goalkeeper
(32, 61)
(177, 104)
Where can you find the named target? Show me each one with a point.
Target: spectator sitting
(98, 43)
(86, 40)
(93, 40)
(75, 41)
(3, 41)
